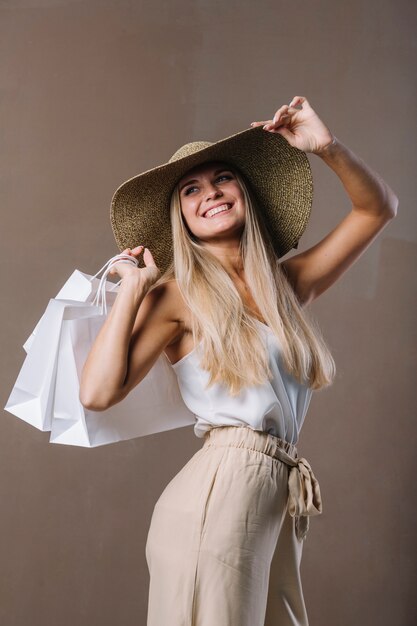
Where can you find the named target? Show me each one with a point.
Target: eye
(227, 176)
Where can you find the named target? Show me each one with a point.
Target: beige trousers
(226, 536)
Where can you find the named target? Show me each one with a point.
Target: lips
(228, 204)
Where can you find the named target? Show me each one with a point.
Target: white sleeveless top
(277, 407)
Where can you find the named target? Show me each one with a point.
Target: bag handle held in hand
(100, 297)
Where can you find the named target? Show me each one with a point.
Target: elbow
(93, 395)
(91, 404)
(393, 209)
(391, 204)
(388, 211)
(98, 402)
(91, 401)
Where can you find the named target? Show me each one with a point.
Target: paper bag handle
(100, 297)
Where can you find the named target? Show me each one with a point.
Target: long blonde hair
(233, 350)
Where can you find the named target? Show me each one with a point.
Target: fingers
(261, 123)
(148, 258)
(283, 114)
(281, 117)
(147, 255)
(129, 252)
(268, 124)
(300, 100)
(134, 251)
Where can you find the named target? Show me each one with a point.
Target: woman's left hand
(302, 128)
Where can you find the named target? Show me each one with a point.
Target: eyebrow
(223, 169)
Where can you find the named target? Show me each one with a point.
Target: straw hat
(279, 176)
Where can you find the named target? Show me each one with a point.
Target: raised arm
(374, 204)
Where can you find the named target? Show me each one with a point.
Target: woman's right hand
(148, 275)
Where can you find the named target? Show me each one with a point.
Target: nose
(213, 192)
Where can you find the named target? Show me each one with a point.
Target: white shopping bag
(154, 405)
(80, 287)
(46, 392)
(31, 398)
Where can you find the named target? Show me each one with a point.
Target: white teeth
(219, 209)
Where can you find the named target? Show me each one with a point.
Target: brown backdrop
(95, 92)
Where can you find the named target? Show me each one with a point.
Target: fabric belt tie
(304, 497)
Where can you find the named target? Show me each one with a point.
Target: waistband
(304, 498)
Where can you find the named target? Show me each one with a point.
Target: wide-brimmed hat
(278, 174)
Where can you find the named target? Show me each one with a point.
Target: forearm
(366, 189)
(105, 368)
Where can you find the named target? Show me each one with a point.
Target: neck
(229, 256)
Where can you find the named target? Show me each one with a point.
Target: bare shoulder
(168, 299)
(182, 343)
(158, 325)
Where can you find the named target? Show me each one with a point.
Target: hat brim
(279, 175)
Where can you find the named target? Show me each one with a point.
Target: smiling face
(211, 186)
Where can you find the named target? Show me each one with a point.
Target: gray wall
(95, 92)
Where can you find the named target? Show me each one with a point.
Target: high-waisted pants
(226, 535)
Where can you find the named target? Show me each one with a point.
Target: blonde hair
(233, 350)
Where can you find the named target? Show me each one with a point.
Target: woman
(226, 536)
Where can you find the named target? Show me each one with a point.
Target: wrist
(131, 280)
(327, 149)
